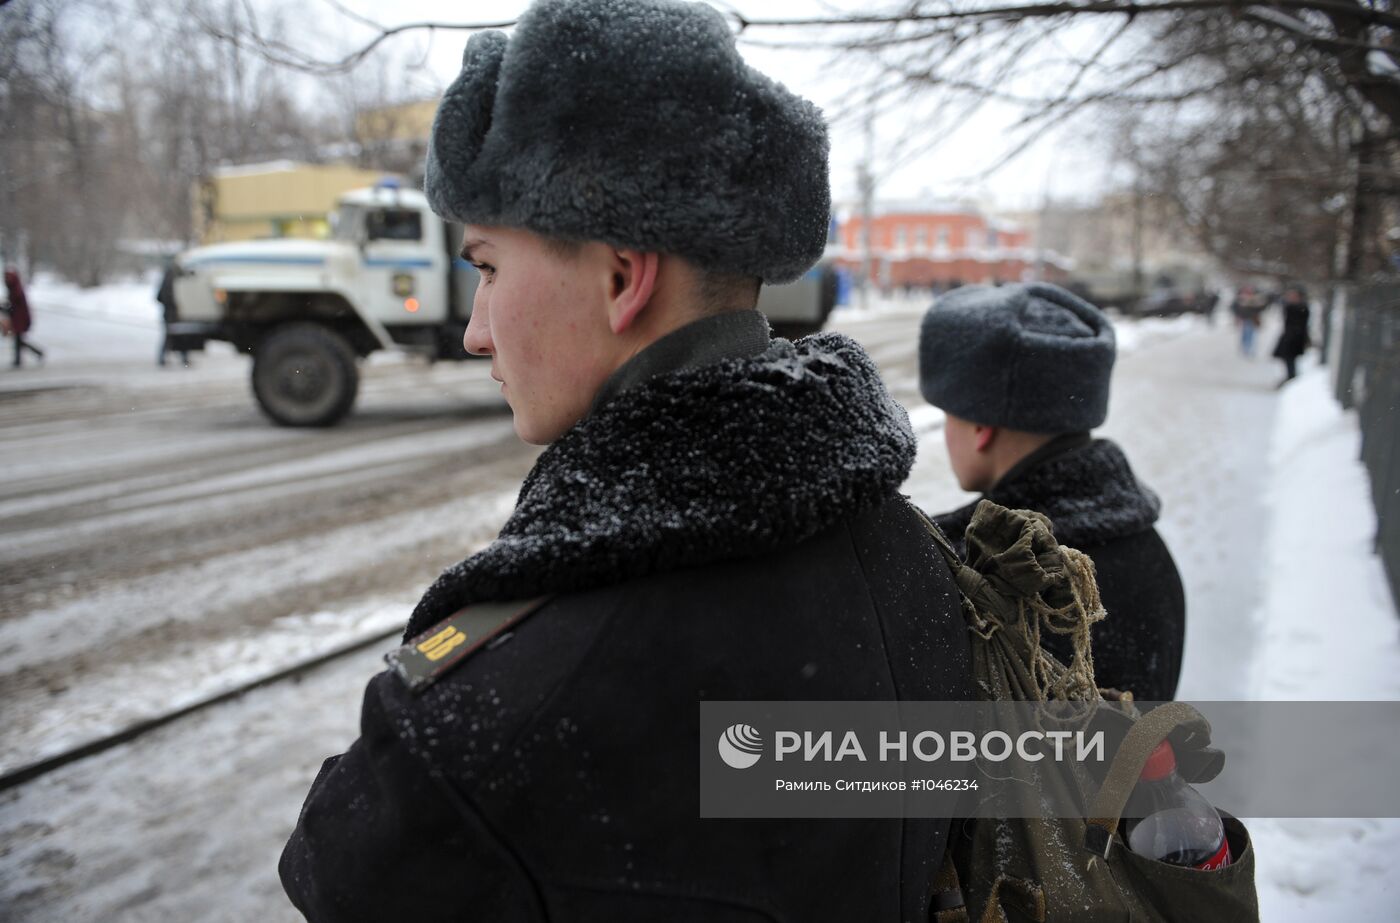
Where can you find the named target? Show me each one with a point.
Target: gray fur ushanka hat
(1030, 357)
(637, 123)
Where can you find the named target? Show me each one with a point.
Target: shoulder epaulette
(434, 653)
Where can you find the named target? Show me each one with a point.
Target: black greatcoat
(729, 532)
(1089, 492)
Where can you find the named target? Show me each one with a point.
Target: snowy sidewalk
(1328, 631)
(1329, 625)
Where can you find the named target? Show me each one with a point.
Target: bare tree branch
(1338, 8)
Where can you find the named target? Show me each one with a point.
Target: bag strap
(973, 586)
(1142, 738)
(950, 554)
(947, 904)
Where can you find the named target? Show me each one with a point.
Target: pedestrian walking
(716, 517)
(165, 296)
(1022, 374)
(19, 319)
(1294, 340)
(1248, 308)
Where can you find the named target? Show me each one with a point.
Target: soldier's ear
(631, 285)
(985, 436)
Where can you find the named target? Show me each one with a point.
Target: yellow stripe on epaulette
(434, 653)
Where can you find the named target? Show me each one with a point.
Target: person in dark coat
(1294, 340)
(18, 316)
(165, 296)
(1022, 375)
(716, 516)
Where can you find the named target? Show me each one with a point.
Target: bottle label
(1221, 858)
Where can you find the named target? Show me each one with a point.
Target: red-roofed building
(933, 246)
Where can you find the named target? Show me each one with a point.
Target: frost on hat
(637, 123)
(1030, 357)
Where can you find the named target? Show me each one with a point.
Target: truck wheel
(305, 375)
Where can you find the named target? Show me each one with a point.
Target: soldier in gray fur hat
(716, 515)
(1022, 374)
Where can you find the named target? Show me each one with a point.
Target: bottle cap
(1160, 764)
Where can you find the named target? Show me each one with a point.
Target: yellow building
(404, 122)
(278, 199)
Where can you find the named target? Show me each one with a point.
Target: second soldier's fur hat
(637, 123)
(1030, 357)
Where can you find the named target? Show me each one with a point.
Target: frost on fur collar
(725, 461)
(1090, 494)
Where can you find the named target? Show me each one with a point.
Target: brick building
(931, 246)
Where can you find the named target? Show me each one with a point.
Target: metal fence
(1368, 378)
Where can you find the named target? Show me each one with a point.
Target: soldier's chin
(533, 431)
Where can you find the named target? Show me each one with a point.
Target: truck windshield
(354, 222)
(394, 224)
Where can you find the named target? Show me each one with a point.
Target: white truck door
(404, 266)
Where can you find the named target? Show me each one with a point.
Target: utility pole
(1041, 224)
(1138, 203)
(865, 182)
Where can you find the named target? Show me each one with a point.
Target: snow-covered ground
(1265, 508)
(127, 309)
(158, 504)
(1327, 631)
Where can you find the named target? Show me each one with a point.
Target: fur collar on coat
(1089, 492)
(729, 460)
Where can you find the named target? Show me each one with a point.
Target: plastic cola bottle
(1168, 820)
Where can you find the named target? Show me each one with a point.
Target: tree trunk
(1362, 207)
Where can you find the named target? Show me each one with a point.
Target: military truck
(388, 278)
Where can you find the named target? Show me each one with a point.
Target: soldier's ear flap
(460, 127)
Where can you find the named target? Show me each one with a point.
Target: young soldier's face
(541, 315)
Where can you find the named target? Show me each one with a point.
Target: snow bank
(132, 301)
(1329, 631)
